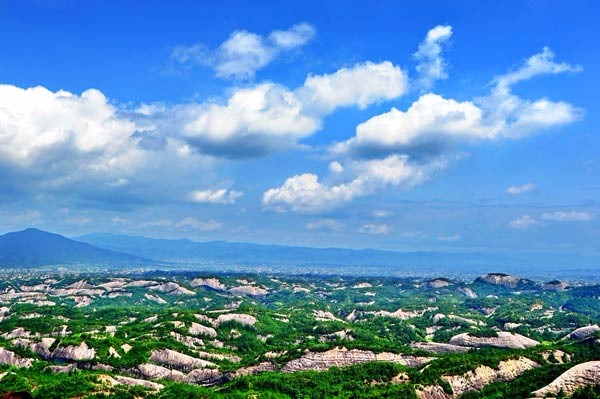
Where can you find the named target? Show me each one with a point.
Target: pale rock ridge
(75, 353)
(436, 347)
(179, 360)
(503, 340)
(583, 332)
(343, 357)
(568, 382)
(199, 329)
(484, 375)
(241, 318)
(10, 358)
(171, 288)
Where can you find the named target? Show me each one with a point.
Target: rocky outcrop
(155, 372)
(583, 332)
(74, 353)
(555, 285)
(211, 283)
(179, 360)
(119, 379)
(400, 313)
(431, 392)
(155, 298)
(248, 290)
(324, 315)
(42, 348)
(436, 347)
(206, 377)
(199, 329)
(466, 291)
(504, 280)
(10, 358)
(343, 357)
(259, 368)
(437, 283)
(568, 382)
(241, 318)
(171, 288)
(483, 375)
(503, 340)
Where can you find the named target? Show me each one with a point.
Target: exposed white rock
(568, 382)
(172, 288)
(113, 353)
(119, 379)
(503, 340)
(241, 318)
(583, 332)
(343, 357)
(175, 359)
(10, 358)
(468, 292)
(483, 375)
(322, 315)
(249, 290)
(142, 283)
(75, 353)
(204, 376)
(199, 329)
(154, 372)
(155, 298)
(212, 283)
(436, 347)
(362, 285)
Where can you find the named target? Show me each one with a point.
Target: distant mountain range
(33, 247)
(187, 251)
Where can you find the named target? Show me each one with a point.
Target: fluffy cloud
(434, 123)
(266, 117)
(244, 53)
(523, 222)
(254, 121)
(220, 196)
(375, 229)
(431, 121)
(41, 126)
(305, 193)
(431, 65)
(361, 85)
(572, 216)
(522, 189)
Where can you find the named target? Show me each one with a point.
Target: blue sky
(454, 126)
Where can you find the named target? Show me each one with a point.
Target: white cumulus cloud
(244, 53)
(305, 193)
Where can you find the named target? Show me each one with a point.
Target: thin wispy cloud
(244, 53)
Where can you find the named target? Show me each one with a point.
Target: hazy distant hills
(187, 251)
(33, 247)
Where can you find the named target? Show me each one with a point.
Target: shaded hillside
(33, 247)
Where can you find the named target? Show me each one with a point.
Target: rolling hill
(34, 247)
